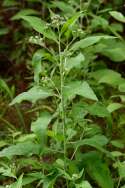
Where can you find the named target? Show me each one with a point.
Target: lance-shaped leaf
(70, 22)
(39, 127)
(40, 26)
(79, 88)
(97, 141)
(36, 63)
(24, 12)
(97, 169)
(118, 16)
(32, 95)
(88, 41)
(24, 148)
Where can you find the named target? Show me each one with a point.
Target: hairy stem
(63, 116)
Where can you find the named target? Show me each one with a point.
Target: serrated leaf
(40, 26)
(88, 41)
(118, 16)
(79, 88)
(24, 12)
(25, 148)
(32, 95)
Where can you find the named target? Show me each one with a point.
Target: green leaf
(107, 76)
(4, 31)
(88, 41)
(97, 109)
(7, 172)
(70, 22)
(40, 26)
(114, 106)
(83, 184)
(32, 95)
(74, 62)
(97, 169)
(122, 87)
(113, 49)
(79, 88)
(36, 63)
(65, 7)
(117, 143)
(121, 168)
(118, 16)
(18, 183)
(4, 87)
(24, 12)
(97, 141)
(9, 3)
(25, 148)
(39, 127)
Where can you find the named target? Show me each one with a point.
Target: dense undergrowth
(62, 94)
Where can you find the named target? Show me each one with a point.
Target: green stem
(61, 65)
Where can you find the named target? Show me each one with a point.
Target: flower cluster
(36, 40)
(57, 20)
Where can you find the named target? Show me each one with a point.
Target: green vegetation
(62, 94)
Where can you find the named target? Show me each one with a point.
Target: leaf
(7, 172)
(97, 169)
(39, 127)
(88, 41)
(114, 106)
(97, 109)
(65, 7)
(4, 31)
(117, 143)
(4, 87)
(107, 76)
(24, 12)
(113, 49)
(122, 87)
(97, 141)
(9, 3)
(83, 184)
(19, 183)
(25, 148)
(36, 63)
(32, 95)
(121, 168)
(74, 62)
(118, 16)
(79, 88)
(70, 22)
(117, 154)
(40, 26)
